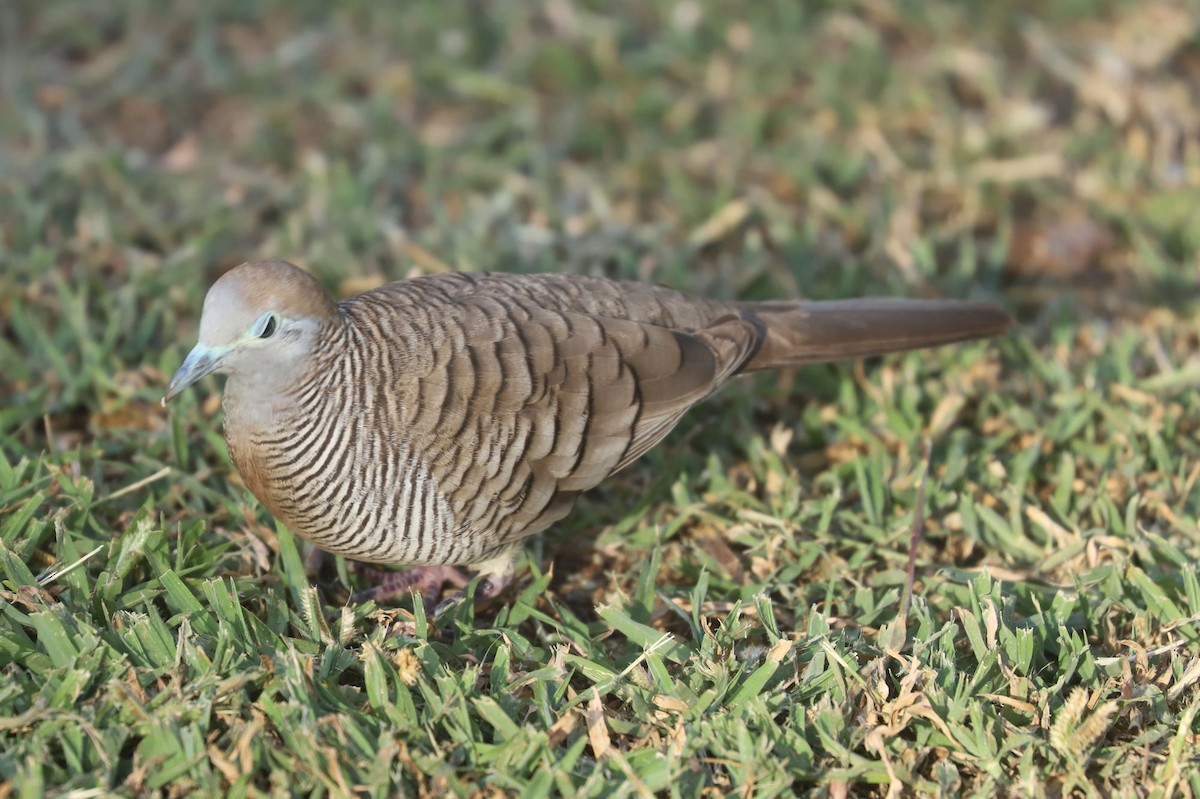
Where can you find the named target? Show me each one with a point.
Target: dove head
(260, 321)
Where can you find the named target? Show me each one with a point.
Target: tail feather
(815, 332)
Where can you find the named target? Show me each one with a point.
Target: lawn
(725, 617)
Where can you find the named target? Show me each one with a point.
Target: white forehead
(228, 314)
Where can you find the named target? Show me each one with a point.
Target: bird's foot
(495, 573)
(490, 586)
(424, 580)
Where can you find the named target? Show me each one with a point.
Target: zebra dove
(439, 421)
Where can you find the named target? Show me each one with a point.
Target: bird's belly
(376, 503)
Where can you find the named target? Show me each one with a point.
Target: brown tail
(815, 332)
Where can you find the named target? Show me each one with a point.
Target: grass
(724, 617)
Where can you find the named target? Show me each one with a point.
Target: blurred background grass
(1044, 155)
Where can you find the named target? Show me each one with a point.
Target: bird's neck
(259, 406)
(268, 390)
(255, 399)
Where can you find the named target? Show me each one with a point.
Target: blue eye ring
(268, 325)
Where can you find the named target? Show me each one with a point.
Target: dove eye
(266, 326)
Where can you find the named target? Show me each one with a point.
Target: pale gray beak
(199, 362)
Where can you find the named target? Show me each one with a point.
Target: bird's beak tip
(199, 362)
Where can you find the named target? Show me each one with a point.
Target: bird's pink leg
(424, 580)
(494, 576)
(489, 587)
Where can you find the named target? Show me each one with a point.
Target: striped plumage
(442, 420)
